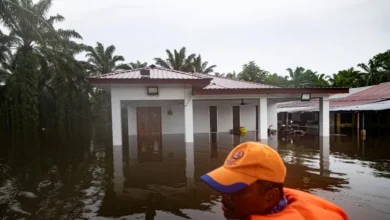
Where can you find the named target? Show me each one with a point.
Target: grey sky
(325, 36)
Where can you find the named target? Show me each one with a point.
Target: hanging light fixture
(170, 112)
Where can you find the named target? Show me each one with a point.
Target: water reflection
(84, 176)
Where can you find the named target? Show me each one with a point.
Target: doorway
(257, 118)
(213, 119)
(149, 134)
(236, 117)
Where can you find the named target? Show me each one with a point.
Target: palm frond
(56, 18)
(69, 34)
(162, 63)
(43, 6)
(109, 51)
(209, 69)
(123, 67)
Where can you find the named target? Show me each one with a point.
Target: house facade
(161, 101)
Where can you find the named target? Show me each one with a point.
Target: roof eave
(270, 91)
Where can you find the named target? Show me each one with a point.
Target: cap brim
(226, 181)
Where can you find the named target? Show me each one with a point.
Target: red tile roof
(159, 73)
(373, 94)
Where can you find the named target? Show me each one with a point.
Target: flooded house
(159, 101)
(362, 108)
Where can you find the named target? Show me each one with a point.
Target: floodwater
(82, 176)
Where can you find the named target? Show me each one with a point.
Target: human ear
(272, 196)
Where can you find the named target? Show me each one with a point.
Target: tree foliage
(252, 72)
(178, 60)
(102, 60)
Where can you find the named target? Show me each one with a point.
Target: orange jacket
(305, 206)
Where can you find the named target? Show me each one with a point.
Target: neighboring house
(367, 107)
(163, 101)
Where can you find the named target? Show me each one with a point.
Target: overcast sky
(324, 36)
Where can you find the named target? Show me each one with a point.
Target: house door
(148, 121)
(236, 117)
(149, 133)
(213, 118)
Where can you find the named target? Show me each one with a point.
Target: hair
(267, 185)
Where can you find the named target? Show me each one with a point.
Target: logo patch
(236, 156)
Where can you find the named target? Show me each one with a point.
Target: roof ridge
(238, 80)
(181, 72)
(115, 73)
(198, 75)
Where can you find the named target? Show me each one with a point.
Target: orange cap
(246, 163)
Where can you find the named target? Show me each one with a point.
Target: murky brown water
(84, 177)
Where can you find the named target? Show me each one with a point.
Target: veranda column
(190, 165)
(263, 118)
(324, 155)
(188, 117)
(272, 114)
(116, 120)
(273, 120)
(324, 117)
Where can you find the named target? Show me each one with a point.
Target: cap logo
(236, 156)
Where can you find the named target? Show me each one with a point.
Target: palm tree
(231, 75)
(6, 66)
(37, 45)
(43, 58)
(201, 67)
(300, 77)
(320, 80)
(349, 78)
(178, 60)
(138, 64)
(219, 74)
(297, 77)
(371, 73)
(102, 60)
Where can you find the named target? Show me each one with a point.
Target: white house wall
(170, 124)
(174, 124)
(139, 92)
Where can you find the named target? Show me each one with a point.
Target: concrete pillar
(263, 118)
(324, 116)
(119, 179)
(188, 117)
(272, 110)
(116, 120)
(190, 165)
(324, 156)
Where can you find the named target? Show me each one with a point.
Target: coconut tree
(301, 77)
(37, 43)
(349, 78)
(138, 64)
(102, 60)
(178, 60)
(201, 67)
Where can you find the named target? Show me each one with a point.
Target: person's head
(251, 180)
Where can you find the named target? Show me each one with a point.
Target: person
(251, 182)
